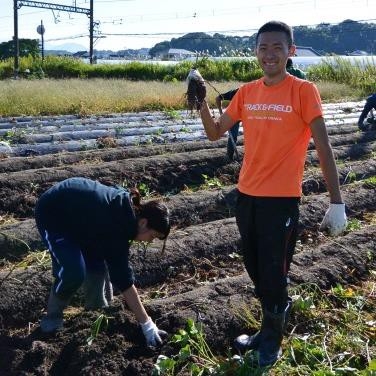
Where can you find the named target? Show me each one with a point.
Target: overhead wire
(225, 11)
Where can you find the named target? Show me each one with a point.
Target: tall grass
(358, 75)
(68, 67)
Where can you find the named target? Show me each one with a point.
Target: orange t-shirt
(276, 130)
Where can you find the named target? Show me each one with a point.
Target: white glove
(152, 333)
(335, 219)
(194, 74)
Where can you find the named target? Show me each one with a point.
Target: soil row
(111, 153)
(133, 120)
(38, 136)
(216, 305)
(193, 209)
(347, 260)
(163, 174)
(216, 241)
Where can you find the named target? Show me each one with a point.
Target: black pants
(268, 229)
(69, 263)
(369, 105)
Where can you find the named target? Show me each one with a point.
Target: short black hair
(278, 26)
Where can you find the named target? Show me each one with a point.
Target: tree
(26, 47)
(327, 38)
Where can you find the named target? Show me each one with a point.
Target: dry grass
(75, 96)
(83, 97)
(336, 92)
(99, 96)
(7, 219)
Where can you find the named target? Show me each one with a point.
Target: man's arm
(214, 127)
(327, 163)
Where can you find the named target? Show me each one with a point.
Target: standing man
(279, 113)
(234, 131)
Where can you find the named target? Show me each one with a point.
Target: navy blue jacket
(99, 218)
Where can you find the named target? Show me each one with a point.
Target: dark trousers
(235, 131)
(69, 264)
(268, 229)
(369, 105)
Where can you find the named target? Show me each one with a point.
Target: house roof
(306, 51)
(179, 51)
(358, 53)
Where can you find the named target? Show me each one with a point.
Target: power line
(232, 31)
(223, 32)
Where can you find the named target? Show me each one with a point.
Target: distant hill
(70, 47)
(340, 39)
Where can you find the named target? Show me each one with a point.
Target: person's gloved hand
(335, 219)
(152, 333)
(196, 91)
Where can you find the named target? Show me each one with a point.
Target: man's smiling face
(272, 51)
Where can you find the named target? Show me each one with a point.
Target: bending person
(369, 106)
(88, 226)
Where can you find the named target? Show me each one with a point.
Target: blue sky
(143, 23)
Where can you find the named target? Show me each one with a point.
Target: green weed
(211, 182)
(14, 136)
(370, 182)
(172, 114)
(353, 224)
(144, 190)
(331, 333)
(100, 323)
(185, 130)
(350, 177)
(194, 354)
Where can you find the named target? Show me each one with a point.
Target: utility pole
(41, 30)
(91, 31)
(64, 8)
(15, 41)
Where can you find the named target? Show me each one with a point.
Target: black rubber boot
(53, 320)
(95, 290)
(271, 335)
(246, 342)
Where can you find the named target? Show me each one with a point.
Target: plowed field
(201, 275)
